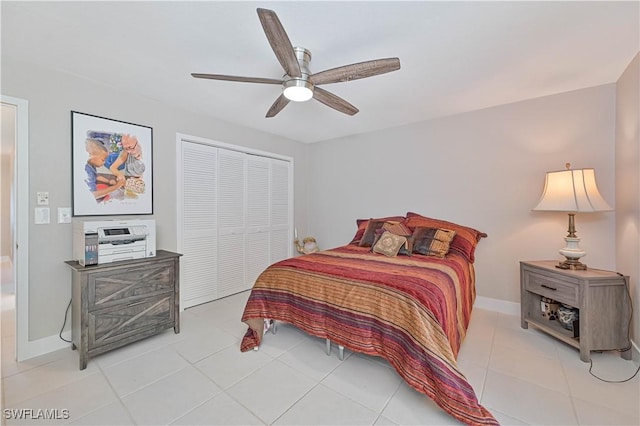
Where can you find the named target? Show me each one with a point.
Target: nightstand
(601, 296)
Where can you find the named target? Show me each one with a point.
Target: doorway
(15, 226)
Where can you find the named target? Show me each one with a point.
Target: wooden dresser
(118, 303)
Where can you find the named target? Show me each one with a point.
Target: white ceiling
(455, 56)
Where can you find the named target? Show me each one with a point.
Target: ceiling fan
(299, 83)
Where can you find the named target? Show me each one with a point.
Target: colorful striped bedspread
(411, 310)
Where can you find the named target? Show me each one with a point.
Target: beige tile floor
(200, 377)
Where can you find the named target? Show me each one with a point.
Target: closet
(235, 209)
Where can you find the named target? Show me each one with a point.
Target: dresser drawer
(124, 285)
(120, 322)
(552, 288)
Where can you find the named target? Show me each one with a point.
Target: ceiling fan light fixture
(298, 90)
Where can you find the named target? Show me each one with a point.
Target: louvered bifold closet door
(231, 222)
(258, 203)
(280, 218)
(198, 193)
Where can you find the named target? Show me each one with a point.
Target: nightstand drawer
(553, 288)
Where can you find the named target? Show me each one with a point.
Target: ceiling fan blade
(279, 42)
(333, 101)
(277, 106)
(240, 79)
(356, 71)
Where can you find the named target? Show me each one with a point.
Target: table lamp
(572, 191)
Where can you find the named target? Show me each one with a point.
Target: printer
(106, 241)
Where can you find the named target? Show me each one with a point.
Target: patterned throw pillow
(399, 228)
(432, 241)
(464, 242)
(363, 223)
(370, 233)
(389, 244)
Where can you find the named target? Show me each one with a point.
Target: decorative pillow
(407, 249)
(389, 244)
(464, 242)
(432, 241)
(370, 233)
(376, 236)
(399, 228)
(396, 228)
(363, 223)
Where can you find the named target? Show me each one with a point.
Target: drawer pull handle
(546, 286)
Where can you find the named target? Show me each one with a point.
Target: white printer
(106, 241)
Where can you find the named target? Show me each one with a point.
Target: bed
(409, 306)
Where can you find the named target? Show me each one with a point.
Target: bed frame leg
(269, 324)
(340, 350)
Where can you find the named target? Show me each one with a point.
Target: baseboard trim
(497, 305)
(35, 348)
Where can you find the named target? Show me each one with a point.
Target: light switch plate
(42, 216)
(64, 214)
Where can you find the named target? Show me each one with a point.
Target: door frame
(21, 231)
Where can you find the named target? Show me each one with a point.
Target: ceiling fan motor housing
(299, 89)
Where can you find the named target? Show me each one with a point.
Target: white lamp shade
(572, 191)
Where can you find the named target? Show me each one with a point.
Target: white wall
(483, 169)
(628, 183)
(51, 97)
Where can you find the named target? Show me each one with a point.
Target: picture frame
(111, 166)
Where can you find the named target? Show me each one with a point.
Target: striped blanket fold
(411, 310)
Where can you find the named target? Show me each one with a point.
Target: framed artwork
(112, 166)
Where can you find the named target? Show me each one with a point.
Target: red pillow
(362, 226)
(464, 242)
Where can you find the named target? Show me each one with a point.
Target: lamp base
(572, 264)
(573, 253)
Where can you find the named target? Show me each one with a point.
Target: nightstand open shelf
(601, 297)
(553, 328)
